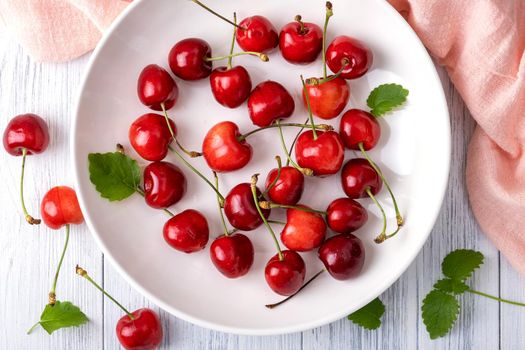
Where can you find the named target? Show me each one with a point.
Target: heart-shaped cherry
(240, 208)
(323, 154)
(345, 215)
(257, 33)
(188, 59)
(164, 184)
(232, 254)
(60, 207)
(268, 102)
(343, 256)
(358, 177)
(328, 97)
(285, 187)
(230, 86)
(345, 48)
(300, 42)
(187, 231)
(285, 274)
(156, 88)
(304, 230)
(223, 150)
(359, 127)
(150, 136)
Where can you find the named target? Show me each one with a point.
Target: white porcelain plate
(414, 153)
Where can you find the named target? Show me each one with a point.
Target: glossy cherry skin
(328, 99)
(150, 136)
(60, 207)
(303, 231)
(240, 208)
(230, 86)
(324, 155)
(156, 86)
(144, 332)
(355, 51)
(288, 188)
(258, 35)
(286, 276)
(27, 131)
(358, 126)
(222, 149)
(300, 45)
(164, 184)
(187, 232)
(343, 256)
(345, 215)
(187, 59)
(268, 102)
(232, 255)
(357, 176)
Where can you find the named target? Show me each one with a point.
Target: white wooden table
(28, 254)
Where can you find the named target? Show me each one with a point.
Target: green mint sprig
(385, 98)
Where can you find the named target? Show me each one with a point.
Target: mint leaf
(385, 98)
(460, 263)
(115, 175)
(452, 286)
(369, 316)
(440, 310)
(61, 315)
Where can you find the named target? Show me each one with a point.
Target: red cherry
(164, 184)
(155, 86)
(300, 42)
(60, 207)
(257, 34)
(143, 332)
(240, 208)
(222, 149)
(328, 99)
(232, 255)
(358, 126)
(355, 51)
(288, 188)
(357, 176)
(304, 230)
(27, 131)
(230, 86)
(345, 215)
(187, 231)
(188, 59)
(343, 256)
(323, 155)
(285, 276)
(268, 102)
(150, 136)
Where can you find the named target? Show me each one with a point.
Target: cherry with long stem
(217, 14)
(52, 292)
(30, 219)
(305, 171)
(309, 107)
(329, 13)
(271, 205)
(271, 306)
(324, 127)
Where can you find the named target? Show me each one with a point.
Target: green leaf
(452, 286)
(115, 175)
(385, 98)
(369, 316)
(61, 315)
(440, 311)
(460, 263)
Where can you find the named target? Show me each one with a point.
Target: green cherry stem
(329, 13)
(219, 204)
(30, 220)
(217, 14)
(271, 306)
(52, 292)
(293, 143)
(305, 171)
(253, 186)
(270, 205)
(277, 222)
(191, 154)
(324, 127)
(495, 298)
(262, 56)
(279, 166)
(232, 46)
(83, 273)
(310, 116)
(315, 81)
(382, 236)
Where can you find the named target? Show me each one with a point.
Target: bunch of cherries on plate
(319, 151)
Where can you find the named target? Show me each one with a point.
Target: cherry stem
(218, 15)
(140, 191)
(226, 232)
(81, 272)
(262, 56)
(277, 222)
(298, 19)
(191, 154)
(382, 236)
(271, 306)
(30, 220)
(271, 205)
(310, 116)
(495, 298)
(233, 41)
(253, 186)
(329, 13)
(315, 81)
(305, 171)
(279, 166)
(52, 293)
(293, 143)
(324, 127)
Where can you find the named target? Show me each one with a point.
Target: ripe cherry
(286, 187)
(155, 87)
(285, 274)
(164, 184)
(150, 136)
(343, 256)
(323, 154)
(60, 207)
(268, 102)
(300, 42)
(358, 55)
(358, 126)
(230, 86)
(304, 230)
(187, 232)
(358, 177)
(257, 33)
(232, 254)
(328, 98)
(223, 149)
(345, 215)
(188, 59)
(240, 208)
